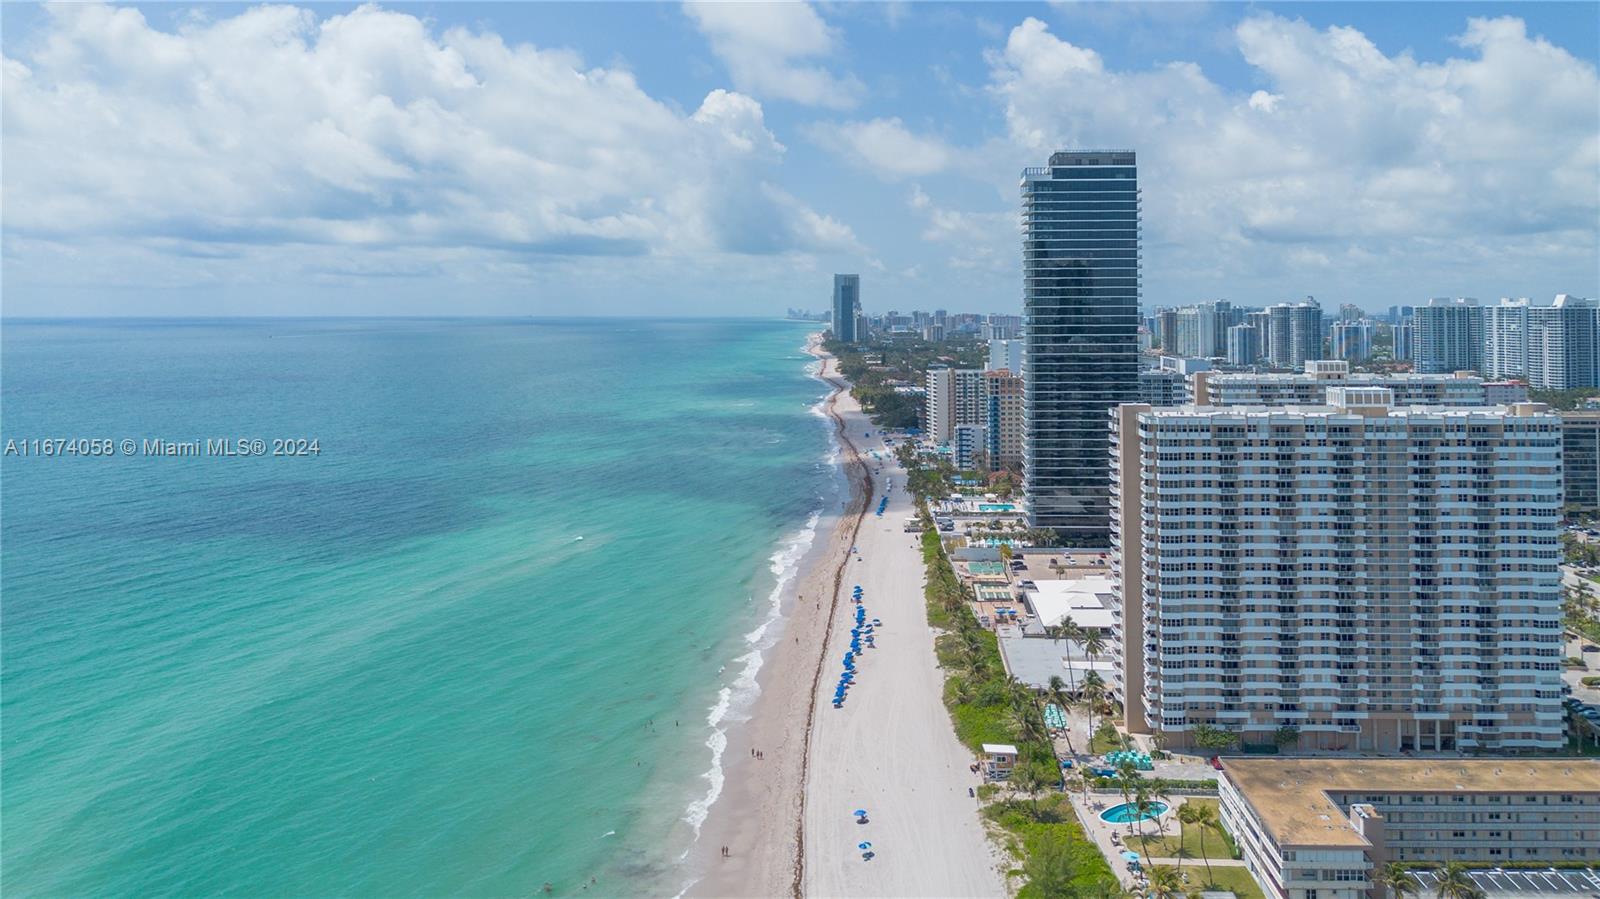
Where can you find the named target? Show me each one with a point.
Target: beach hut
(998, 760)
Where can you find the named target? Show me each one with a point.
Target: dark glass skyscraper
(846, 306)
(1080, 303)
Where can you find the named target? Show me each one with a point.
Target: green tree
(1059, 695)
(1208, 736)
(1165, 882)
(1200, 815)
(1050, 866)
(1128, 781)
(1400, 883)
(1093, 690)
(1456, 883)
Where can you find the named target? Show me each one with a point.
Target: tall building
(846, 307)
(1003, 393)
(1505, 339)
(1166, 330)
(1564, 344)
(1080, 297)
(1295, 333)
(1349, 312)
(966, 442)
(1351, 339)
(954, 397)
(1448, 335)
(1556, 347)
(1244, 345)
(1380, 579)
(1404, 341)
(1002, 327)
(1580, 461)
(1006, 354)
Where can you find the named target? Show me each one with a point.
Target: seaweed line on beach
(860, 499)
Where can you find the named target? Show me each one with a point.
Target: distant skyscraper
(1080, 297)
(846, 306)
(1448, 335)
(1505, 339)
(1244, 345)
(1351, 340)
(1564, 344)
(1295, 331)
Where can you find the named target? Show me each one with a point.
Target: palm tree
(1093, 690)
(1065, 630)
(1456, 883)
(1027, 779)
(1165, 882)
(1127, 777)
(1400, 882)
(1094, 643)
(1059, 695)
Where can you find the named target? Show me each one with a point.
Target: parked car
(1216, 762)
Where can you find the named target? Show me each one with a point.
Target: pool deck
(1100, 832)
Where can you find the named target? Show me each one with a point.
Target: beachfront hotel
(1320, 828)
(955, 397)
(1377, 578)
(1080, 300)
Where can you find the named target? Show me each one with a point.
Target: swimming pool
(1126, 812)
(996, 507)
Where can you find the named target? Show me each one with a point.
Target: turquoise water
(390, 669)
(1127, 812)
(995, 507)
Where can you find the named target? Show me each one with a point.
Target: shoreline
(760, 814)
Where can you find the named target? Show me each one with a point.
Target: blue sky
(685, 159)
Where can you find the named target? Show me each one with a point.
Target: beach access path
(891, 749)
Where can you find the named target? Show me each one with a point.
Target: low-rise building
(1320, 828)
(1310, 387)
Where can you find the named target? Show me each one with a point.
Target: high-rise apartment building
(1448, 335)
(1377, 578)
(1295, 333)
(1556, 347)
(1003, 394)
(1580, 461)
(1244, 345)
(1002, 327)
(1080, 300)
(1564, 344)
(1405, 341)
(1163, 387)
(846, 307)
(1351, 339)
(1005, 354)
(954, 397)
(1310, 387)
(1505, 339)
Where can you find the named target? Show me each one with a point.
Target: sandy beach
(891, 750)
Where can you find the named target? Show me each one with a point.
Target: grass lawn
(1235, 879)
(1097, 746)
(1189, 847)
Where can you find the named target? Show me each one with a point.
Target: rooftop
(1291, 795)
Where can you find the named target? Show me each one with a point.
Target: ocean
(487, 638)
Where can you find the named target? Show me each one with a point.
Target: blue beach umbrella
(864, 846)
(1130, 855)
(861, 813)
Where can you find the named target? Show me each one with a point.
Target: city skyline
(481, 159)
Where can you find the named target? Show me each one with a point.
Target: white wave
(784, 564)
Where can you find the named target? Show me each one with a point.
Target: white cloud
(273, 127)
(968, 240)
(1348, 153)
(885, 147)
(767, 48)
